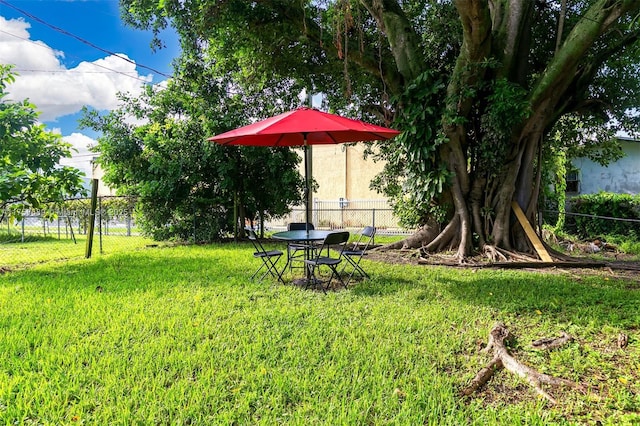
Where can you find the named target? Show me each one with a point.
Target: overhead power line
(80, 39)
(65, 71)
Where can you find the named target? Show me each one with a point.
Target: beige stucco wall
(103, 189)
(342, 171)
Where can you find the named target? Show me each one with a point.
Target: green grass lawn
(181, 336)
(39, 249)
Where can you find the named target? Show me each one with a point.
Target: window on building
(573, 181)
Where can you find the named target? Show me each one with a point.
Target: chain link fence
(345, 214)
(34, 236)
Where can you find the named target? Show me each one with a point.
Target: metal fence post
(373, 223)
(70, 230)
(100, 223)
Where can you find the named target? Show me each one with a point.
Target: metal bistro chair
(337, 241)
(296, 251)
(355, 254)
(269, 258)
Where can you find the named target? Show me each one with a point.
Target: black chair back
(335, 238)
(300, 226)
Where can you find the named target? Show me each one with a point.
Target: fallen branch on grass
(503, 359)
(552, 342)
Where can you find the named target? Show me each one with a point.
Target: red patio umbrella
(303, 127)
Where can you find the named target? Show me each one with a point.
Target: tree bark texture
(499, 32)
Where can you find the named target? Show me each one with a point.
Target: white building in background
(98, 173)
(621, 177)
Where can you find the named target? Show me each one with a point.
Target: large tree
(30, 173)
(477, 86)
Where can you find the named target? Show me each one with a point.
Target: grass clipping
(503, 359)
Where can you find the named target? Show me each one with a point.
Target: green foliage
(622, 206)
(506, 89)
(627, 244)
(184, 184)
(573, 136)
(630, 247)
(554, 185)
(507, 107)
(587, 137)
(29, 155)
(414, 175)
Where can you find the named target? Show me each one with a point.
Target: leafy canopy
(188, 187)
(30, 173)
(346, 50)
(484, 91)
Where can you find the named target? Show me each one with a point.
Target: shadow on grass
(593, 301)
(145, 269)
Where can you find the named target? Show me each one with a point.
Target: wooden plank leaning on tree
(533, 237)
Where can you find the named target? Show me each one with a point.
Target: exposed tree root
(483, 376)
(503, 359)
(494, 254)
(419, 239)
(552, 342)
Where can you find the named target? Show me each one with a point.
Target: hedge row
(604, 204)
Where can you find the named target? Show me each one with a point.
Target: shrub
(606, 205)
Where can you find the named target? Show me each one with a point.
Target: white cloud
(55, 90)
(83, 157)
(58, 91)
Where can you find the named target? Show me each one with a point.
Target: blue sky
(60, 73)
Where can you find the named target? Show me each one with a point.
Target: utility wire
(108, 70)
(80, 39)
(621, 219)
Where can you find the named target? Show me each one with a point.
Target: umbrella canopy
(302, 127)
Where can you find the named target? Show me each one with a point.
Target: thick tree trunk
(496, 47)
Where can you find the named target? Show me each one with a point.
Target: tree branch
(586, 72)
(512, 26)
(561, 70)
(403, 40)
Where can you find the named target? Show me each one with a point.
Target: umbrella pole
(307, 183)
(307, 201)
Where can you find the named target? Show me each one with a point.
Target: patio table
(302, 237)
